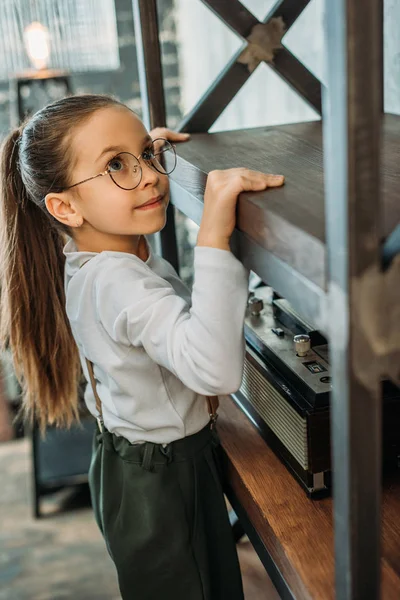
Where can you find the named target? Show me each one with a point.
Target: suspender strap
(212, 401)
(213, 404)
(96, 395)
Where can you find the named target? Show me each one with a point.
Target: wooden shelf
(293, 534)
(281, 232)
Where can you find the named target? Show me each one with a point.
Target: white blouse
(157, 350)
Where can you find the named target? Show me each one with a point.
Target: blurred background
(49, 545)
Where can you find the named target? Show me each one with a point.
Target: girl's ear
(61, 209)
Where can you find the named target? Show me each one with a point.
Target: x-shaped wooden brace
(235, 74)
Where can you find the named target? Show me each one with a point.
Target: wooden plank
(235, 15)
(217, 97)
(289, 10)
(231, 79)
(297, 531)
(289, 222)
(153, 101)
(304, 296)
(352, 144)
(285, 63)
(242, 21)
(234, 75)
(298, 77)
(149, 62)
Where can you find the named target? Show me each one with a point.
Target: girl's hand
(220, 199)
(171, 136)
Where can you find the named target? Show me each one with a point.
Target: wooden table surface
(297, 531)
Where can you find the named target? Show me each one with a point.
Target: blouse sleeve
(203, 345)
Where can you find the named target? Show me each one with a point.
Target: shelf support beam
(153, 101)
(352, 125)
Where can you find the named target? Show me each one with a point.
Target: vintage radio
(285, 391)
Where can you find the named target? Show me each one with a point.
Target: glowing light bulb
(37, 43)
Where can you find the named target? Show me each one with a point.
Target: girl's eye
(148, 154)
(116, 164)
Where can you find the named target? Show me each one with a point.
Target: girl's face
(114, 217)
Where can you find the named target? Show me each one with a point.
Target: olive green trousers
(163, 516)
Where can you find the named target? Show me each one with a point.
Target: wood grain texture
(149, 60)
(298, 532)
(217, 97)
(298, 77)
(234, 14)
(288, 10)
(289, 222)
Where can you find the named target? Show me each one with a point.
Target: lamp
(37, 87)
(37, 44)
(44, 42)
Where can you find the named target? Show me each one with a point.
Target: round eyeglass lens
(125, 171)
(161, 156)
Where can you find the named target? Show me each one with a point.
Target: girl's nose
(149, 174)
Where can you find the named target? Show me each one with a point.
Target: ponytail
(33, 320)
(35, 160)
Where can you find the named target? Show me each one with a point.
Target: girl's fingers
(171, 136)
(178, 137)
(256, 181)
(274, 180)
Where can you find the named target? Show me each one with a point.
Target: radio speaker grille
(289, 427)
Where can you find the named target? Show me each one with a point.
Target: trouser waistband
(150, 454)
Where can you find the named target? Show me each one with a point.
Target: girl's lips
(153, 203)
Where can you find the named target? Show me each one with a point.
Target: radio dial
(255, 305)
(302, 344)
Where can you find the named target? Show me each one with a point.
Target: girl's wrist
(213, 241)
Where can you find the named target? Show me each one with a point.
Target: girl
(82, 184)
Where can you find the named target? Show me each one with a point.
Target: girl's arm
(202, 345)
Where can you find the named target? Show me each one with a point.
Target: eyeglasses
(125, 169)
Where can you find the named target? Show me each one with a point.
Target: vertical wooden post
(352, 124)
(152, 92)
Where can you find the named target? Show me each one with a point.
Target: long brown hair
(35, 159)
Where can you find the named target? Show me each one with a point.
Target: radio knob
(302, 344)
(255, 305)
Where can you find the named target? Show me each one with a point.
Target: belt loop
(167, 451)
(147, 461)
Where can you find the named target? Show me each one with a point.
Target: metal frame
(359, 305)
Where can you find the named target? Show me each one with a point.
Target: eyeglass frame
(107, 172)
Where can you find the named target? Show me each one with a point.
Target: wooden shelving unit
(318, 242)
(293, 535)
(281, 233)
